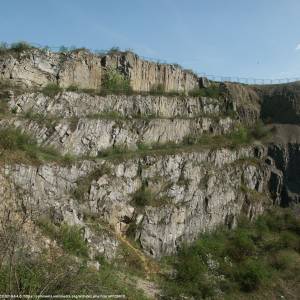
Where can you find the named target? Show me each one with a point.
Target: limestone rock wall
(85, 70)
(70, 104)
(287, 159)
(81, 124)
(86, 136)
(193, 192)
(145, 75)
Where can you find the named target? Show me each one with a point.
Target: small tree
(115, 82)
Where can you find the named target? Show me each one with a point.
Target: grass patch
(60, 274)
(213, 91)
(157, 89)
(69, 237)
(146, 197)
(51, 90)
(72, 88)
(4, 110)
(242, 136)
(260, 131)
(48, 121)
(143, 196)
(84, 182)
(108, 280)
(20, 147)
(240, 261)
(110, 115)
(113, 151)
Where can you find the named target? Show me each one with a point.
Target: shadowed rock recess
(153, 167)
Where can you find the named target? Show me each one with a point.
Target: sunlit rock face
(86, 70)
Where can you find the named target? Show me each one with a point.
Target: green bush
(212, 92)
(157, 89)
(3, 47)
(20, 47)
(143, 196)
(63, 49)
(51, 89)
(237, 261)
(72, 241)
(72, 88)
(260, 131)
(13, 139)
(284, 259)
(240, 136)
(251, 275)
(115, 83)
(114, 50)
(69, 237)
(241, 245)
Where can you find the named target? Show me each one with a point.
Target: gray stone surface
(194, 192)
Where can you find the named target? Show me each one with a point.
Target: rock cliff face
(86, 125)
(281, 103)
(158, 196)
(191, 193)
(86, 70)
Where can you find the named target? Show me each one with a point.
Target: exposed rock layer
(86, 70)
(180, 195)
(193, 192)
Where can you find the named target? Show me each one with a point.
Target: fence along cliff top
(218, 78)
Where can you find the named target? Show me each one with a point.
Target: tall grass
(241, 260)
(18, 146)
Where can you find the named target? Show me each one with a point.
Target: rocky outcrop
(46, 192)
(192, 193)
(287, 159)
(160, 198)
(88, 136)
(145, 75)
(281, 103)
(82, 124)
(244, 100)
(38, 67)
(70, 104)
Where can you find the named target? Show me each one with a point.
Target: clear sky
(250, 38)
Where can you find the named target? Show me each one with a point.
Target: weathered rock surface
(85, 70)
(287, 159)
(194, 192)
(69, 104)
(281, 103)
(145, 75)
(189, 192)
(245, 100)
(86, 136)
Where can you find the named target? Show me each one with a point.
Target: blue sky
(245, 38)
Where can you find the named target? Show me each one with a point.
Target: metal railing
(219, 78)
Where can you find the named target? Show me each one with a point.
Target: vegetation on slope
(61, 274)
(242, 136)
(260, 259)
(15, 48)
(16, 146)
(115, 82)
(62, 268)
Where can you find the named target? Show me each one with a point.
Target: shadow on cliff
(280, 106)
